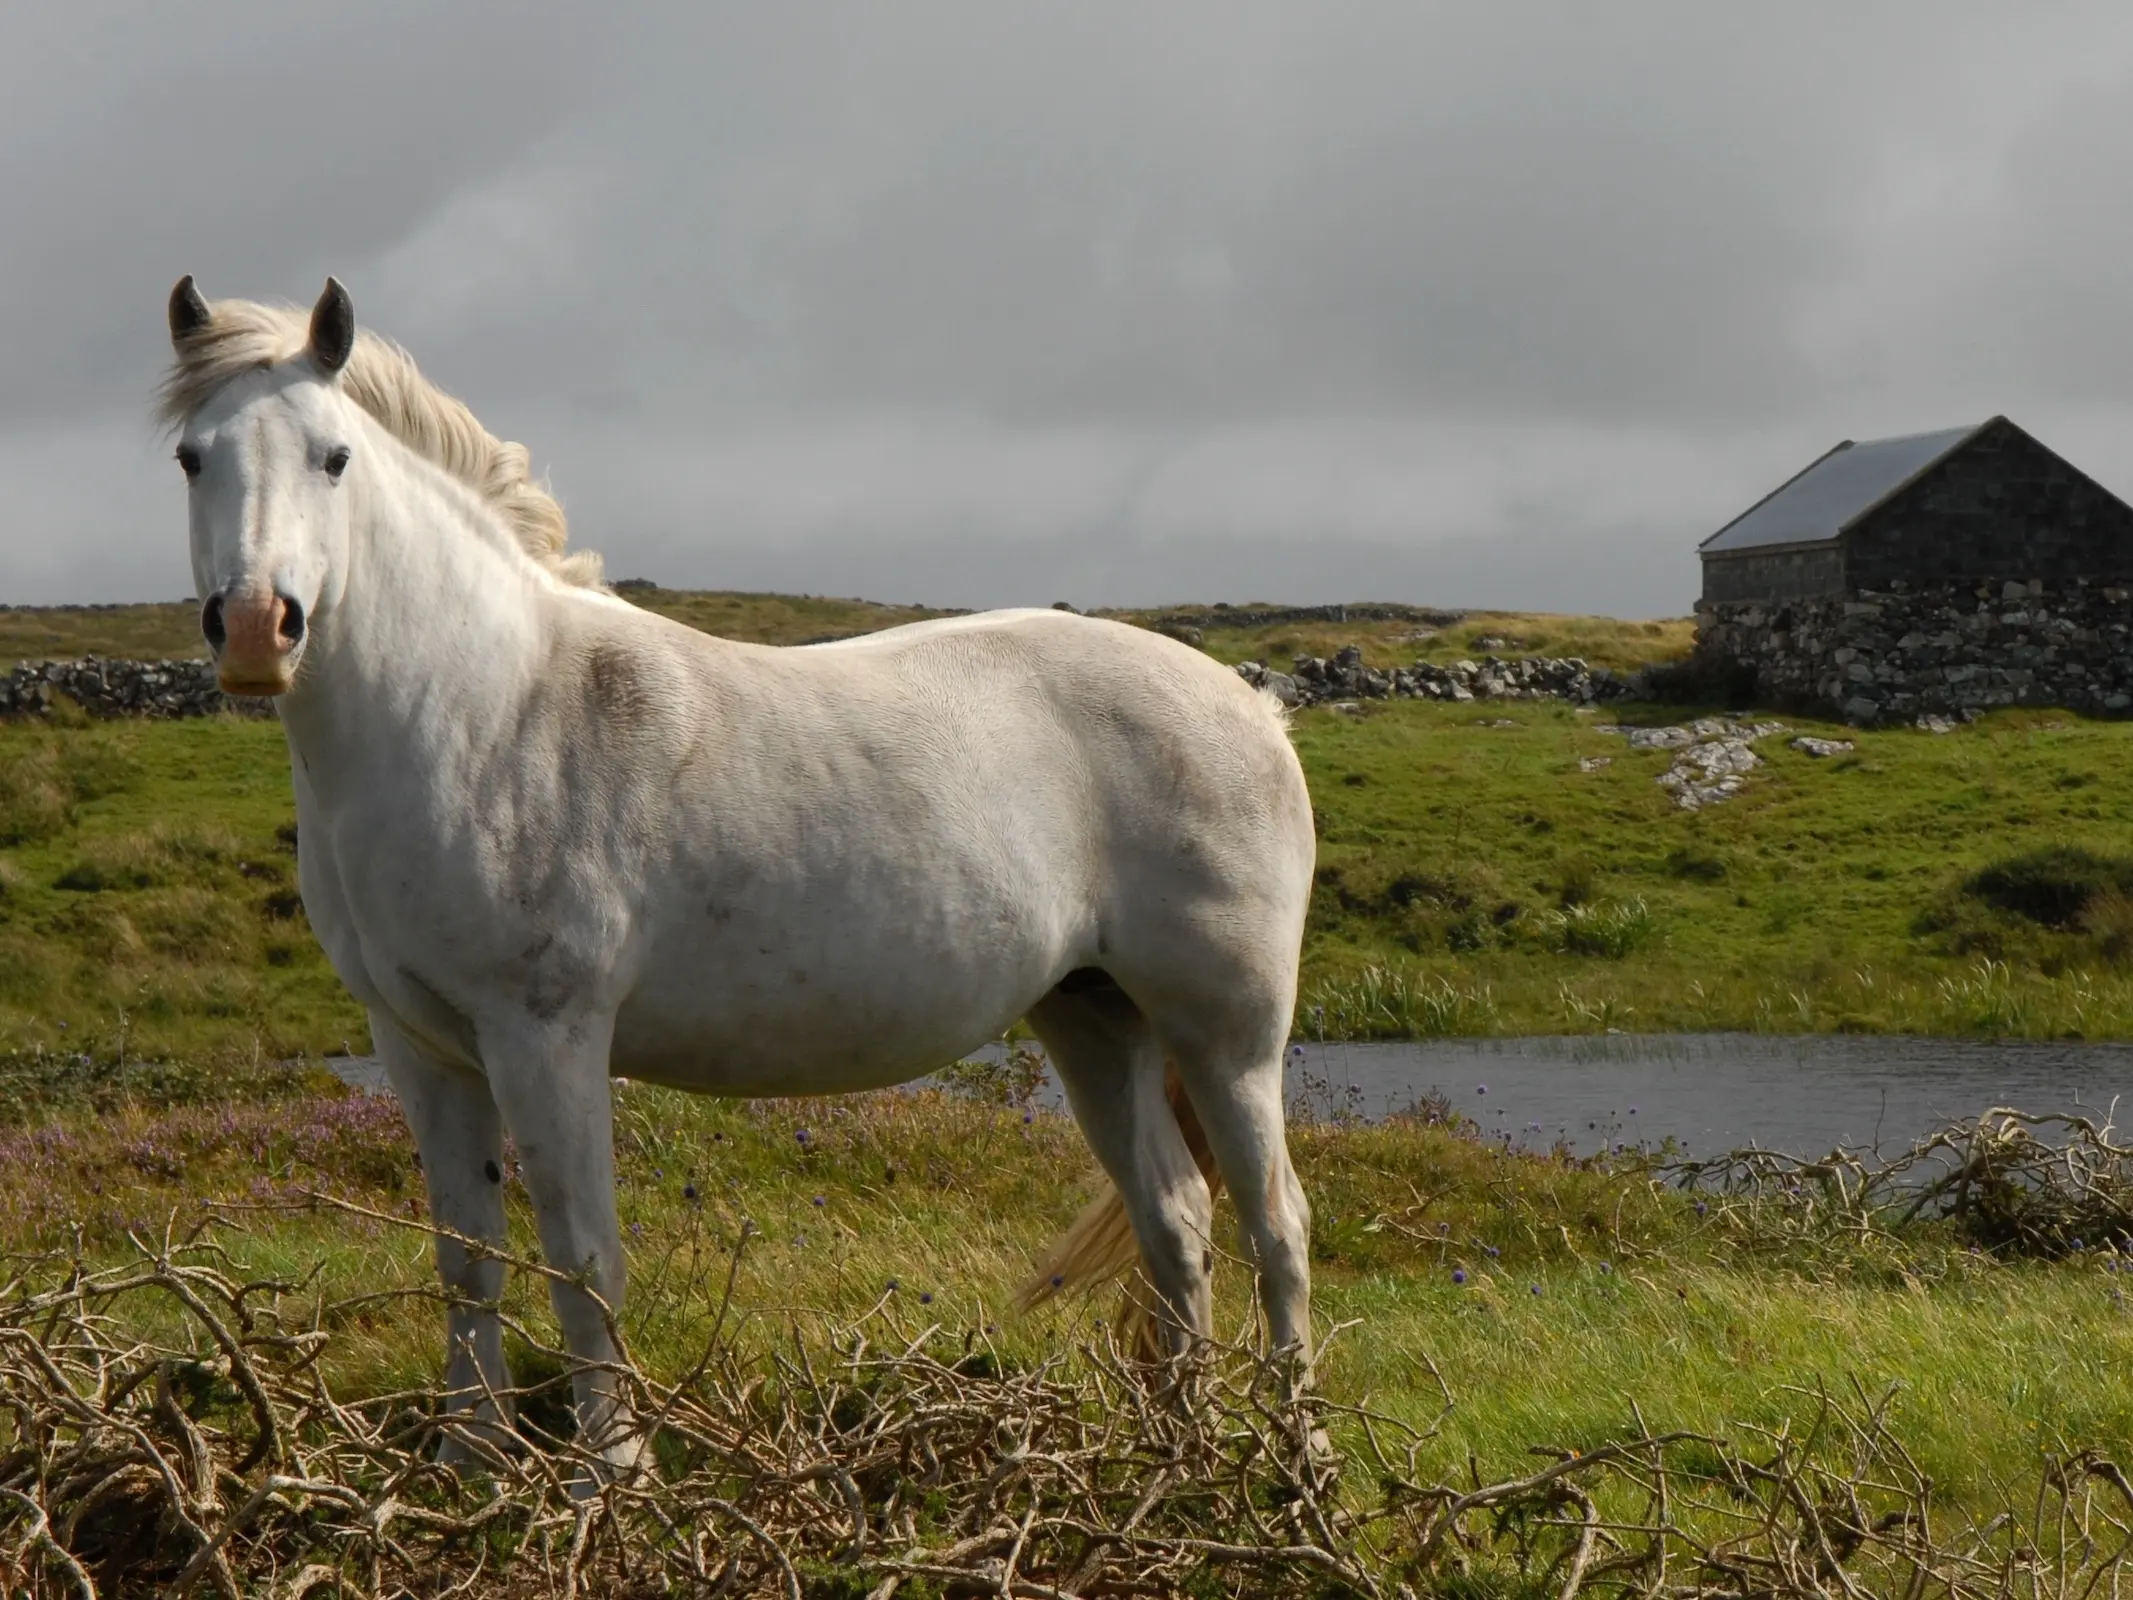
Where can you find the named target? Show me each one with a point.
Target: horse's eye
(337, 461)
(189, 460)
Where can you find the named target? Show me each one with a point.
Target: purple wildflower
(1458, 1274)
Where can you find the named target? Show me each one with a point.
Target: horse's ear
(188, 311)
(333, 327)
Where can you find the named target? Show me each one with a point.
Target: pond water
(1805, 1093)
(1709, 1093)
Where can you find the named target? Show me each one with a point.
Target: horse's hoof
(477, 1446)
(1321, 1462)
(622, 1462)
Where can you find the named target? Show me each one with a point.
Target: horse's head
(269, 456)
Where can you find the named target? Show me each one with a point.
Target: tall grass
(1386, 1003)
(1610, 930)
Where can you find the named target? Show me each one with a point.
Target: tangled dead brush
(169, 1428)
(2008, 1181)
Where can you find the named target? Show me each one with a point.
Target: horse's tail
(1100, 1245)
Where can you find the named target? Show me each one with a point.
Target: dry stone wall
(121, 689)
(106, 688)
(1343, 676)
(1897, 655)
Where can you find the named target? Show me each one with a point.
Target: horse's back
(1163, 746)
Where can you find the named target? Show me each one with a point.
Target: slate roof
(1837, 490)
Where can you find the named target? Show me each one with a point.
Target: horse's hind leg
(1107, 1057)
(1229, 1054)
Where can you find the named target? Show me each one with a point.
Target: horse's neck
(433, 642)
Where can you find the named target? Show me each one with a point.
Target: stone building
(1930, 573)
(1959, 506)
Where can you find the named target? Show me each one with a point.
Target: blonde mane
(243, 336)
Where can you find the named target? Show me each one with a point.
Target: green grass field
(1474, 877)
(1472, 880)
(1494, 886)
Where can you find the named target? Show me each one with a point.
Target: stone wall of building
(121, 689)
(1797, 572)
(1895, 655)
(2001, 504)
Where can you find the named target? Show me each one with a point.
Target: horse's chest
(433, 940)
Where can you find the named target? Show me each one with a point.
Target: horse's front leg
(461, 1138)
(551, 1082)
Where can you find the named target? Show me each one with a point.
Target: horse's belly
(798, 1031)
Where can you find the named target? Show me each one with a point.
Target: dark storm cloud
(1472, 304)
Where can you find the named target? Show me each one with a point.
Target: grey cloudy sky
(1494, 303)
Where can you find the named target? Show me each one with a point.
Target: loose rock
(1712, 757)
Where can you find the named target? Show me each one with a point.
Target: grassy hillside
(148, 901)
(1602, 641)
(1960, 884)
(171, 631)
(1472, 879)
(1481, 870)
(155, 632)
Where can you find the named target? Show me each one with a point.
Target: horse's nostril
(292, 621)
(211, 623)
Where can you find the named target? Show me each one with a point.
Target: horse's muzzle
(256, 635)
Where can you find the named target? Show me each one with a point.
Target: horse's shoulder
(631, 670)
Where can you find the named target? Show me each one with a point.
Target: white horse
(547, 836)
